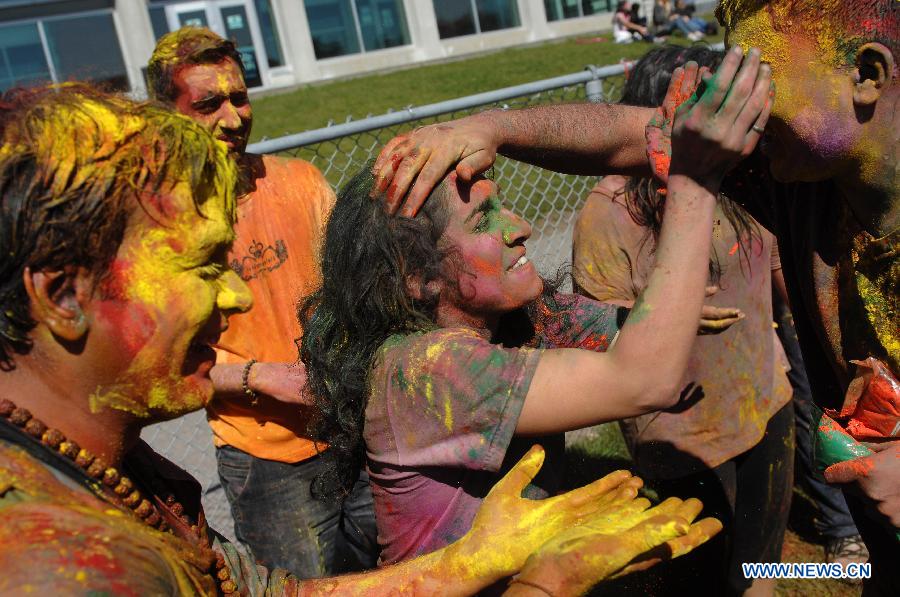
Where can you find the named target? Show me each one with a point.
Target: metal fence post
(593, 88)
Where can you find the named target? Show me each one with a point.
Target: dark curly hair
(646, 86)
(369, 259)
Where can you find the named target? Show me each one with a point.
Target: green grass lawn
(312, 106)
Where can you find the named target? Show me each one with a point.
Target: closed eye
(211, 271)
(208, 105)
(483, 214)
(481, 223)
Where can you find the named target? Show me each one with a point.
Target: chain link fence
(549, 200)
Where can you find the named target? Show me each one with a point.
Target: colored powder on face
(135, 323)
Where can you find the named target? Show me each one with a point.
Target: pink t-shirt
(440, 421)
(738, 376)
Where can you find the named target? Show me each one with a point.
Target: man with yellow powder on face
(115, 222)
(833, 146)
(266, 460)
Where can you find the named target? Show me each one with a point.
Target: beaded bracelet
(245, 385)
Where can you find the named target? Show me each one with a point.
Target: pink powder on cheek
(484, 267)
(115, 282)
(133, 322)
(175, 244)
(822, 133)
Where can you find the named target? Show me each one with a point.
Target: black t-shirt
(843, 284)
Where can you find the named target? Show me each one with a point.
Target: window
(568, 9)
(82, 46)
(497, 14)
(340, 27)
(86, 47)
(466, 17)
(158, 21)
(332, 27)
(22, 58)
(269, 33)
(454, 18)
(382, 23)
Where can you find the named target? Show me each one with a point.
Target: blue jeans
(834, 520)
(685, 27)
(276, 516)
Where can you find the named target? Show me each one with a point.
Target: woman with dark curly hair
(437, 354)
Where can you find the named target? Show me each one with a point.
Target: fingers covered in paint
(875, 477)
(411, 165)
(521, 474)
(682, 85)
(699, 533)
(719, 84)
(515, 527)
(600, 488)
(715, 320)
(392, 153)
(580, 557)
(710, 135)
(741, 89)
(406, 173)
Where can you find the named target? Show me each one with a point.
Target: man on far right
(834, 138)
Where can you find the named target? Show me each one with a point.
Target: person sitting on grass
(625, 30)
(436, 353)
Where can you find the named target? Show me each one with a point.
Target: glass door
(238, 29)
(189, 14)
(232, 19)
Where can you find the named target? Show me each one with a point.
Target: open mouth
(201, 349)
(522, 261)
(200, 357)
(233, 142)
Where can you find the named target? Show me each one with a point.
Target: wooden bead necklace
(109, 483)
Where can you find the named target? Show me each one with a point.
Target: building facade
(283, 42)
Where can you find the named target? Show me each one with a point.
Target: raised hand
(682, 86)
(426, 154)
(715, 130)
(706, 131)
(508, 527)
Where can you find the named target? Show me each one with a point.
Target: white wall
(425, 42)
(136, 35)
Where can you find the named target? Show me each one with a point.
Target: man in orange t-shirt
(266, 460)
